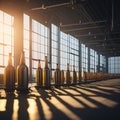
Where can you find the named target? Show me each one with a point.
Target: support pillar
(106, 65)
(30, 52)
(58, 46)
(98, 67)
(88, 59)
(18, 32)
(80, 61)
(50, 51)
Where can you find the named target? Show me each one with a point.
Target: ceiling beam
(84, 28)
(84, 23)
(107, 50)
(43, 7)
(104, 44)
(96, 34)
(101, 40)
(89, 35)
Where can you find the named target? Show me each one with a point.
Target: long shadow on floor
(8, 100)
(56, 113)
(102, 112)
(103, 92)
(23, 106)
(96, 111)
(6, 114)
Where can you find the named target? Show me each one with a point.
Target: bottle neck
(57, 66)
(22, 59)
(39, 65)
(46, 62)
(73, 68)
(67, 66)
(10, 59)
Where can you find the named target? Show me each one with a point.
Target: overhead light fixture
(43, 7)
(112, 19)
(105, 38)
(89, 33)
(46, 22)
(80, 22)
(60, 23)
(27, 0)
(83, 0)
(95, 37)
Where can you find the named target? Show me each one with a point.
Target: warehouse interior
(82, 33)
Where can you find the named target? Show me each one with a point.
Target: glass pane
(1, 16)
(7, 19)
(1, 49)
(6, 37)
(26, 22)
(1, 59)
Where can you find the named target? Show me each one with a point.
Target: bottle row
(20, 75)
(11, 76)
(42, 75)
(60, 77)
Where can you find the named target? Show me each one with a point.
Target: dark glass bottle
(46, 75)
(57, 76)
(62, 77)
(39, 75)
(84, 76)
(9, 75)
(22, 74)
(79, 75)
(74, 76)
(68, 81)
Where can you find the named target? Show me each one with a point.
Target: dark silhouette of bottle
(46, 75)
(62, 78)
(57, 76)
(22, 74)
(39, 75)
(84, 76)
(74, 76)
(79, 75)
(68, 81)
(9, 75)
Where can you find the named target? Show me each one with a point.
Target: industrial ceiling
(96, 23)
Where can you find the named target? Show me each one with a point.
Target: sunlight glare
(33, 110)
(46, 110)
(15, 110)
(87, 102)
(105, 101)
(72, 102)
(64, 109)
(86, 92)
(2, 105)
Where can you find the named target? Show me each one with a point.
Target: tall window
(96, 61)
(55, 45)
(114, 65)
(74, 52)
(92, 60)
(84, 51)
(64, 50)
(6, 38)
(40, 44)
(26, 42)
(102, 63)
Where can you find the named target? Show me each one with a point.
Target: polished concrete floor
(94, 101)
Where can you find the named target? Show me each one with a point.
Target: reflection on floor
(94, 101)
